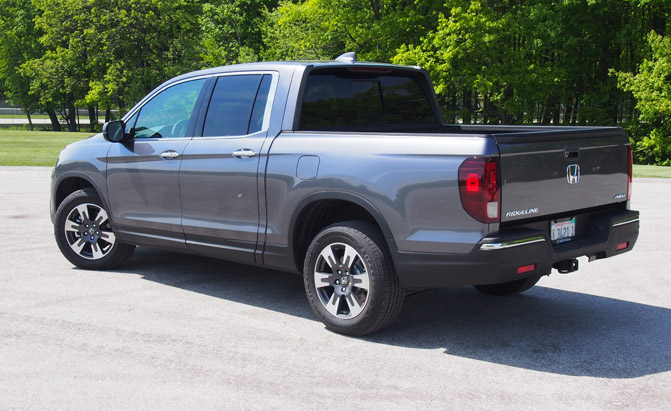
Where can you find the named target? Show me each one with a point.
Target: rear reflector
(526, 268)
(622, 246)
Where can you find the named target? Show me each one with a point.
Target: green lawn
(34, 148)
(41, 148)
(24, 117)
(652, 171)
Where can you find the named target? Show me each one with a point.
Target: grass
(652, 171)
(24, 117)
(41, 148)
(34, 148)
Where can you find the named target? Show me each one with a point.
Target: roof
(283, 65)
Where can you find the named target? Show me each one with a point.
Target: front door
(143, 172)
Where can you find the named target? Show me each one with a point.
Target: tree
(232, 31)
(101, 52)
(18, 43)
(323, 29)
(651, 87)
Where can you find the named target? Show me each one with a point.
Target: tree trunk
(503, 113)
(30, 120)
(93, 119)
(108, 114)
(72, 119)
(55, 124)
(453, 108)
(468, 107)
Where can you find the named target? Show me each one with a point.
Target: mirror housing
(114, 131)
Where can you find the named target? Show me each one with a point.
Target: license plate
(562, 230)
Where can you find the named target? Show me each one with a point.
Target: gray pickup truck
(344, 172)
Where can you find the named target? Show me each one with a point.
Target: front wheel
(349, 279)
(84, 233)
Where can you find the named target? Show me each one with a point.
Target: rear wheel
(84, 233)
(509, 288)
(350, 281)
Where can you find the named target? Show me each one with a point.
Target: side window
(168, 113)
(130, 124)
(237, 105)
(259, 110)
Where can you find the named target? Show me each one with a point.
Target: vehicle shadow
(544, 329)
(259, 287)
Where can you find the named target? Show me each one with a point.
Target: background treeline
(573, 62)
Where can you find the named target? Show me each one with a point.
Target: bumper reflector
(622, 246)
(526, 268)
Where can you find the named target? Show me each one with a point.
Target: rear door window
(237, 105)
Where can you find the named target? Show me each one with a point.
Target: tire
(350, 281)
(509, 288)
(84, 233)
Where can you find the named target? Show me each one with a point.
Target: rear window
(346, 100)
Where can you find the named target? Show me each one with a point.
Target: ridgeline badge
(518, 213)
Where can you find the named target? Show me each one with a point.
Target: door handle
(244, 153)
(571, 152)
(169, 155)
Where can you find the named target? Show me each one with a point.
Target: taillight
(480, 189)
(630, 172)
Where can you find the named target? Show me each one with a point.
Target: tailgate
(554, 171)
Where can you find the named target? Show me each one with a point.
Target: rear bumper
(497, 258)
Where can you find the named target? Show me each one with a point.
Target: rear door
(558, 170)
(219, 179)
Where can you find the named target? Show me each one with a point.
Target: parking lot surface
(173, 331)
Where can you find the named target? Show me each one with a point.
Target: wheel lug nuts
(343, 289)
(337, 282)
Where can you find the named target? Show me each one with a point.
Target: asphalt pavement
(172, 331)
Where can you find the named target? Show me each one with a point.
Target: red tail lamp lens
(479, 188)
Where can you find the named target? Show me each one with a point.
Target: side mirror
(114, 131)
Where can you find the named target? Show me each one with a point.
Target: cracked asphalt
(172, 331)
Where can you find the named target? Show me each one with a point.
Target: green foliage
(232, 31)
(300, 31)
(18, 43)
(492, 61)
(324, 29)
(651, 87)
(537, 61)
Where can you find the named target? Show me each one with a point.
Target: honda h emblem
(573, 174)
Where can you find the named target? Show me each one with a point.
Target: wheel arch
(68, 184)
(322, 209)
